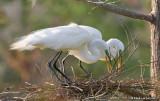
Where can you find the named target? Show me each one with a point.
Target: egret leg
(50, 66)
(63, 62)
(55, 67)
(107, 64)
(80, 65)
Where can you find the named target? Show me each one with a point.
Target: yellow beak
(119, 63)
(109, 66)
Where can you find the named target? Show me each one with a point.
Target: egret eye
(107, 53)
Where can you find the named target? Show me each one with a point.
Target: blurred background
(21, 17)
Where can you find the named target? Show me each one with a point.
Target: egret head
(120, 48)
(116, 48)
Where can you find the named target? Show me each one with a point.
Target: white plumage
(83, 42)
(115, 46)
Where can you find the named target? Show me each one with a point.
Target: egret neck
(91, 52)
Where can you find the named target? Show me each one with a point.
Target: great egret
(116, 47)
(80, 41)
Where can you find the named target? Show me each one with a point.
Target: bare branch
(118, 10)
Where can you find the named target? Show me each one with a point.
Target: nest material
(85, 90)
(108, 89)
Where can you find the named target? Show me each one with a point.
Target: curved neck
(91, 52)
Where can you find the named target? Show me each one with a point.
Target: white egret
(80, 41)
(116, 47)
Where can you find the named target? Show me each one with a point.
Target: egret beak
(119, 62)
(109, 66)
(108, 61)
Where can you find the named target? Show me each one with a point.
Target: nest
(89, 89)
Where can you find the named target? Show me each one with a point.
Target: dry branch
(87, 89)
(119, 10)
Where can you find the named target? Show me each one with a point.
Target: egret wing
(95, 33)
(57, 38)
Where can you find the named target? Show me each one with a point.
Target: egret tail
(22, 44)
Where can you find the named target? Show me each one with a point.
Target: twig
(75, 88)
(131, 42)
(74, 76)
(11, 92)
(141, 86)
(94, 96)
(136, 67)
(30, 94)
(130, 35)
(118, 87)
(119, 10)
(127, 37)
(133, 93)
(130, 55)
(99, 90)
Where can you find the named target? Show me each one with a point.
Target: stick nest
(89, 89)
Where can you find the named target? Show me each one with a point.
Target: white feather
(114, 46)
(73, 38)
(83, 42)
